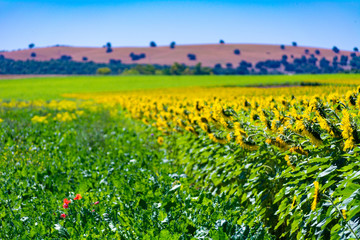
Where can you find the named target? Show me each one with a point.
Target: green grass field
(53, 87)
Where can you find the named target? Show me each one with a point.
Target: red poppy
(97, 202)
(65, 205)
(66, 201)
(63, 215)
(78, 197)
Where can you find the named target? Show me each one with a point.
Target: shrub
(221, 41)
(307, 51)
(294, 44)
(237, 52)
(152, 44)
(33, 54)
(317, 52)
(172, 45)
(282, 47)
(84, 58)
(31, 45)
(109, 50)
(356, 49)
(103, 71)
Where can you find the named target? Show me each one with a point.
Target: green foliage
(117, 162)
(103, 71)
(49, 88)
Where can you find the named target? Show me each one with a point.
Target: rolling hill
(207, 54)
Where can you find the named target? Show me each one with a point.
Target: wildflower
(66, 203)
(293, 203)
(343, 211)
(63, 215)
(96, 203)
(316, 193)
(78, 197)
(1, 120)
(160, 140)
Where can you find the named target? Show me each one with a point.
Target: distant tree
(84, 59)
(356, 49)
(237, 52)
(108, 45)
(65, 58)
(103, 71)
(191, 57)
(317, 52)
(115, 62)
(109, 50)
(221, 41)
(324, 63)
(152, 44)
(33, 54)
(294, 44)
(229, 65)
(31, 45)
(172, 45)
(307, 51)
(282, 47)
(335, 49)
(344, 60)
(177, 69)
(218, 65)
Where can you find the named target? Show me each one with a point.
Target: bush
(152, 44)
(237, 52)
(109, 50)
(294, 44)
(356, 49)
(103, 71)
(33, 54)
(172, 45)
(222, 41)
(282, 47)
(31, 45)
(307, 51)
(85, 59)
(317, 52)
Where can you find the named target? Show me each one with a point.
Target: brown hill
(207, 54)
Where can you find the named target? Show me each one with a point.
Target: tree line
(288, 64)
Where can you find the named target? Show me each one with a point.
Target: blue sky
(136, 23)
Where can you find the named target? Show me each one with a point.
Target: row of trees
(65, 65)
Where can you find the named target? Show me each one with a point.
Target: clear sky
(136, 23)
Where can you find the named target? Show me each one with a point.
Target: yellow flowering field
(289, 153)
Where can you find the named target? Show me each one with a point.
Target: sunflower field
(183, 163)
